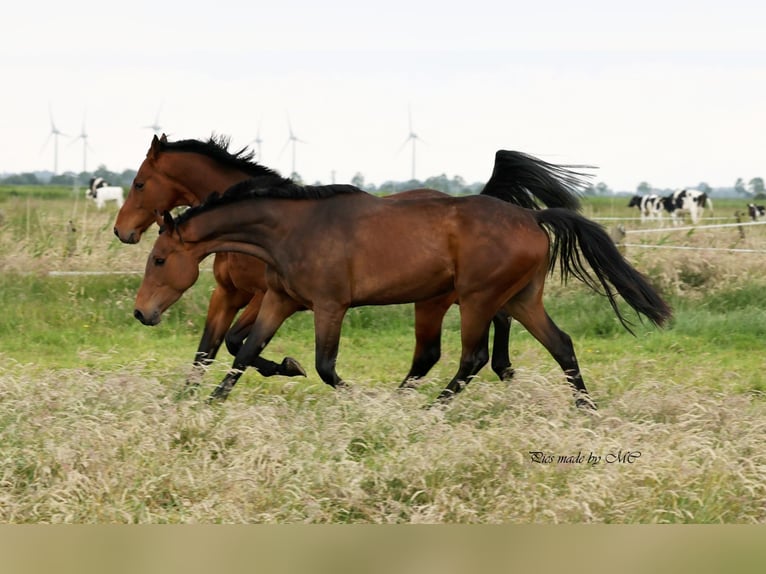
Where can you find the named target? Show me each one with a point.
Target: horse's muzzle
(132, 238)
(149, 321)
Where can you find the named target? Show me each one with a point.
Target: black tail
(575, 237)
(524, 180)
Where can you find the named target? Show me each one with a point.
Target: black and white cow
(756, 211)
(683, 201)
(649, 206)
(101, 192)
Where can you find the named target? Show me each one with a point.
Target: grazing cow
(756, 211)
(101, 192)
(649, 206)
(683, 201)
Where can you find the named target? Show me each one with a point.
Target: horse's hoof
(218, 395)
(445, 397)
(409, 384)
(291, 368)
(190, 391)
(585, 403)
(507, 375)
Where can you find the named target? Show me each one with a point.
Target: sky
(669, 93)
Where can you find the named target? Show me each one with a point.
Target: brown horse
(186, 172)
(328, 248)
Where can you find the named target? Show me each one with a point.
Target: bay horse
(329, 248)
(186, 172)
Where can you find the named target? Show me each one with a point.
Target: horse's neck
(201, 176)
(248, 227)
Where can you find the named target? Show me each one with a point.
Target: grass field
(93, 428)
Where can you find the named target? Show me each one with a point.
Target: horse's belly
(399, 284)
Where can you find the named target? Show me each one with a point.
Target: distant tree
(602, 188)
(101, 171)
(644, 188)
(756, 185)
(22, 179)
(126, 178)
(704, 187)
(439, 182)
(358, 180)
(739, 186)
(63, 179)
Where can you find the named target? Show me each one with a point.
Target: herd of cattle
(691, 202)
(682, 202)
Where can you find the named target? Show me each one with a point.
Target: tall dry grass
(116, 447)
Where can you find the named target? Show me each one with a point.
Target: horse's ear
(168, 222)
(159, 220)
(154, 149)
(163, 139)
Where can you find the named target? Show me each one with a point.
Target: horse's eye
(138, 185)
(159, 261)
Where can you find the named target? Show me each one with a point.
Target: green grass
(93, 428)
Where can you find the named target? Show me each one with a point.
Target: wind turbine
(156, 127)
(54, 133)
(84, 137)
(258, 141)
(413, 138)
(291, 139)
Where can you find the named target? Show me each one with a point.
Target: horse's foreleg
(501, 361)
(532, 315)
(223, 306)
(429, 316)
(275, 309)
(327, 326)
(235, 338)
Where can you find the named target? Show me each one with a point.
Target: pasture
(94, 428)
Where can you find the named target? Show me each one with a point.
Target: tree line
(754, 188)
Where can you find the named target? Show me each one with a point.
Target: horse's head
(153, 190)
(170, 271)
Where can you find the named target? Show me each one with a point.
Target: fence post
(737, 215)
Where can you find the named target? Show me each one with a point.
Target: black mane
(217, 148)
(270, 186)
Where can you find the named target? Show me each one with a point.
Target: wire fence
(697, 228)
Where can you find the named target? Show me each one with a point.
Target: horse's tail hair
(525, 180)
(573, 238)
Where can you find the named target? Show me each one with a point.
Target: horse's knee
(233, 342)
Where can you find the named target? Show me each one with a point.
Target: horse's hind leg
(474, 335)
(501, 361)
(532, 315)
(429, 316)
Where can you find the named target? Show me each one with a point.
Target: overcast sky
(673, 93)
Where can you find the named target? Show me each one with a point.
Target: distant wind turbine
(85, 146)
(54, 133)
(156, 127)
(291, 139)
(411, 138)
(258, 141)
